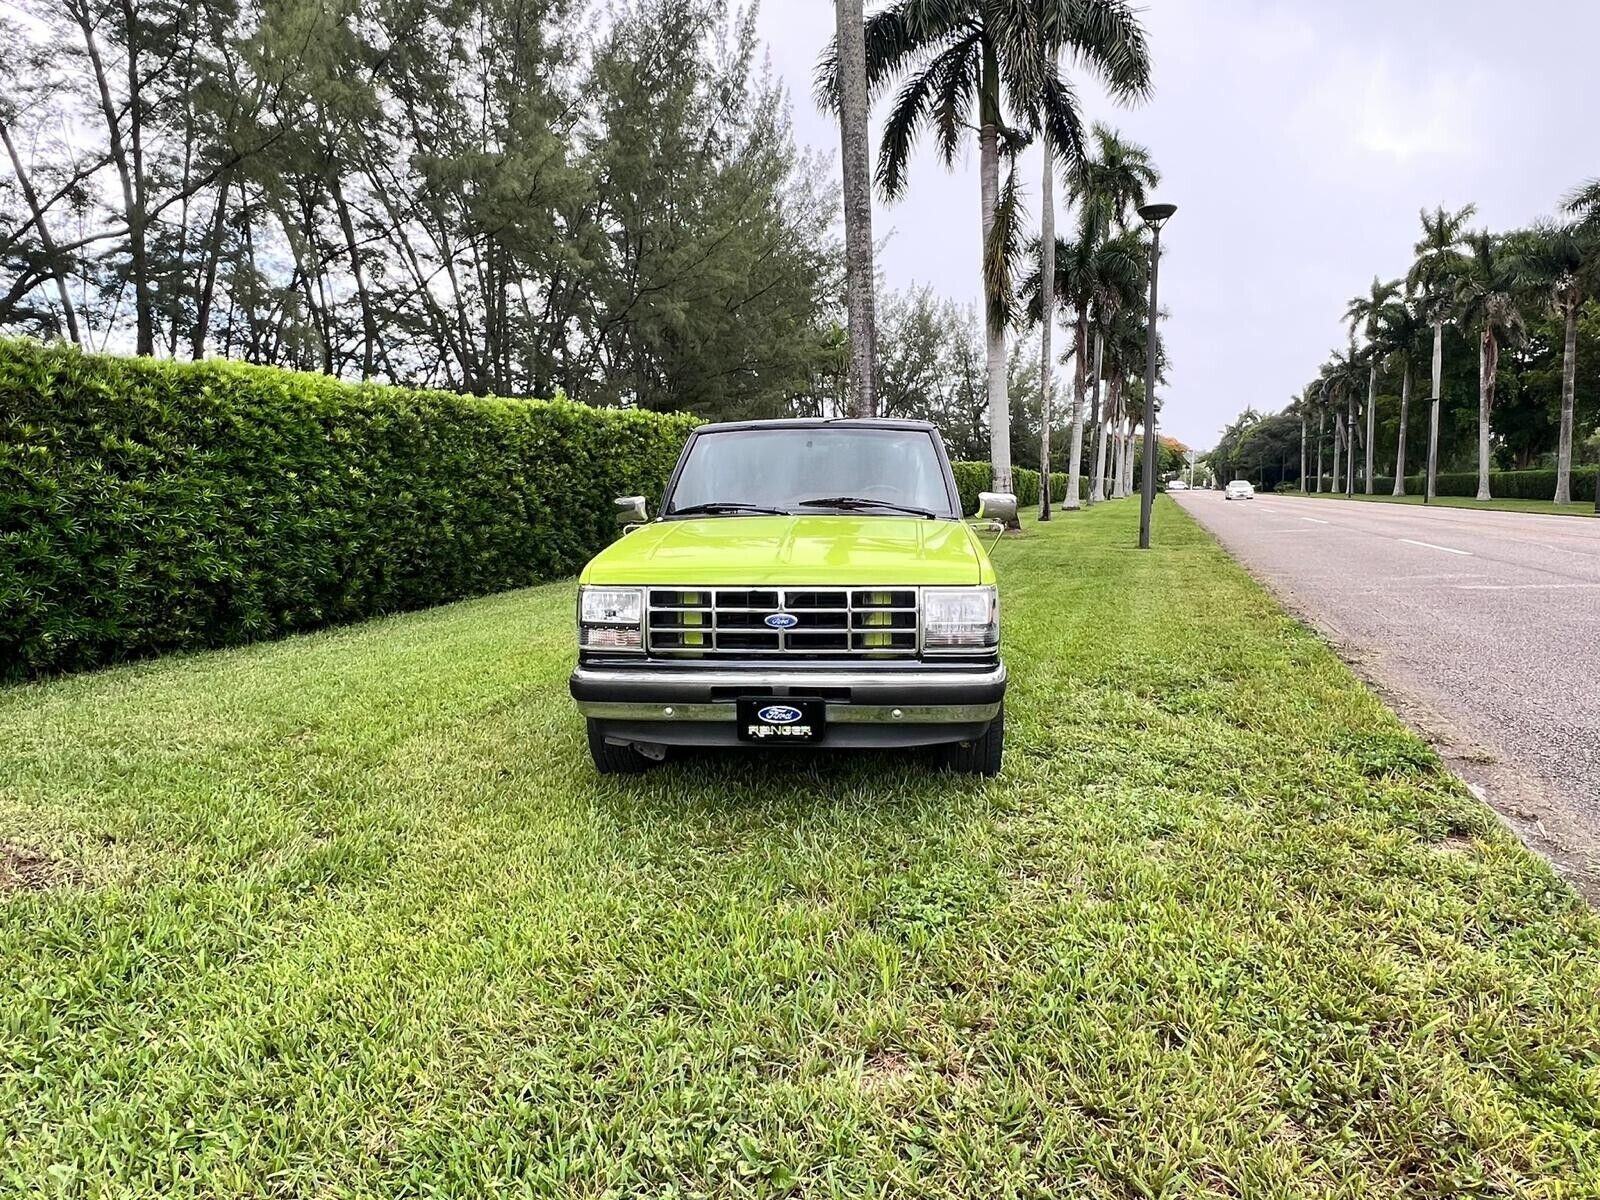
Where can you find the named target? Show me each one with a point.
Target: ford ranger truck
(806, 583)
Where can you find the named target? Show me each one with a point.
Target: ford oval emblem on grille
(778, 714)
(782, 621)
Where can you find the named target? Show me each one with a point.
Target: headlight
(609, 618)
(960, 618)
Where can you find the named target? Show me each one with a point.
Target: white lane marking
(1313, 520)
(1431, 546)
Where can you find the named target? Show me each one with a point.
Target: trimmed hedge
(975, 477)
(1503, 485)
(148, 506)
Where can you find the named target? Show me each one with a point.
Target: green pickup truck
(807, 583)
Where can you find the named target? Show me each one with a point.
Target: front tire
(982, 755)
(614, 760)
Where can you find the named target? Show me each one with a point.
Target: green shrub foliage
(975, 477)
(149, 506)
(1503, 485)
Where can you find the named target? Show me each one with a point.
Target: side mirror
(997, 506)
(630, 510)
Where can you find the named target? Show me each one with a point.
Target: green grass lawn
(1578, 508)
(350, 915)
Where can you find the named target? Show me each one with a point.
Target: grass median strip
(350, 914)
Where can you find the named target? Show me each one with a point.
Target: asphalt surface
(1482, 628)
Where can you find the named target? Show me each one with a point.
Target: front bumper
(904, 704)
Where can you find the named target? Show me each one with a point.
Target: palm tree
(1343, 373)
(1094, 277)
(1432, 280)
(1124, 349)
(1398, 328)
(857, 169)
(1138, 406)
(1366, 312)
(1322, 419)
(1047, 368)
(1113, 41)
(1121, 268)
(1107, 184)
(962, 63)
(1111, 180)
(1298, 405)
(1584, 203)
(1487, 299)
(1122, 344)
(1564, 262)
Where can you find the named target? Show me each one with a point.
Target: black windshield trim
(952, 493)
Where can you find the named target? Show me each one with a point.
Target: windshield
(814, 468)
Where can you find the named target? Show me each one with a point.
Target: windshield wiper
(855, 503)
(714, 508)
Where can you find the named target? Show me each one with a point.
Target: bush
(1503, 485)
(975, 477)
(149, 506)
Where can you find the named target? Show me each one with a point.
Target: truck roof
(818, 423)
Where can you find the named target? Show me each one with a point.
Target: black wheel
(981, 756)
(614, 760)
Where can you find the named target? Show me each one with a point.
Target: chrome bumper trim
(838, 714)
(789, 679)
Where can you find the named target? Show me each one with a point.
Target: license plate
(780, 722)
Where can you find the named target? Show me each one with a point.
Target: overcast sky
(1298, 138)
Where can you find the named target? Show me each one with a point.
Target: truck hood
(794, 550)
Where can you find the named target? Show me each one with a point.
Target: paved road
(1482, 627)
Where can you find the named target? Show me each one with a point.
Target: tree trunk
(1080, 391)
(1113, 440)
(1127, 453)
(1119, 443)
(1350, 444)
(1569, 380)
(1322, 419)
(300, 278)
(57, 265)
(144, 301)
(1405, 416)
(208, 275)
(1047, 284)
(1430, 491)
(994, 332)
(133, 210)
(1372, 416)
(1488, 362)
(1338, 447)
(369, 324)
(1099, 453)
(858, 250)
(1303, 452)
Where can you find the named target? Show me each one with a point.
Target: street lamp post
(1155, 216)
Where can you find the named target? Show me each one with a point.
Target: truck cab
(806, 583)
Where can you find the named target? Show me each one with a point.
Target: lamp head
(1157, 215)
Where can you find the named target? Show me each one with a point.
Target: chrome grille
(820, 622)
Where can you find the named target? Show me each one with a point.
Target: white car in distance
(1239, 489)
